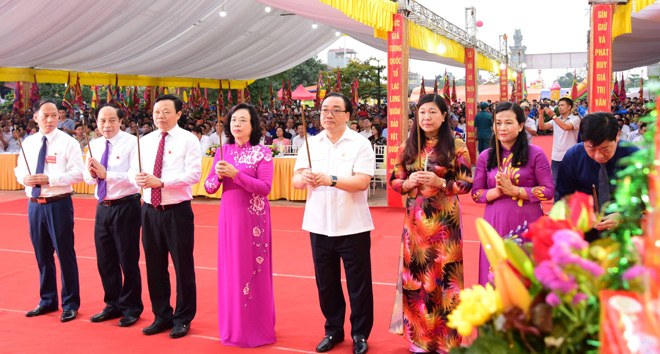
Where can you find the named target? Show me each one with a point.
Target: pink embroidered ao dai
(246, 307)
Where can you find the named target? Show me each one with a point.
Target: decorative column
(397, 97)
(470, 100)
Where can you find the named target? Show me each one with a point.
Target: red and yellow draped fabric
(19, 105)
(285, 97)
(136, 99)
(289, 97)
(319, 87)
(422, 89)
(338, 83)
(445, 90)
(641, 90)
(78, 98)
(622, 92)
(435, 86)
(34, 92)
(454, 97)
(205, 100)
(574, 90)
(95, 97)
(354, 93)
(229, 102)
(68, 100)
(615, 90)
(514, 92)
(524, 86)
(147, 97)
(246, 94)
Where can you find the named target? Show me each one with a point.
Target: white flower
(256, 231)
(260, 260)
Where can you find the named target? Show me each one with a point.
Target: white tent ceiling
(174, 38)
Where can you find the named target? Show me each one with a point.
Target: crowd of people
(512, 177)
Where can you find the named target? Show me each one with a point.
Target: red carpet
(299, 320)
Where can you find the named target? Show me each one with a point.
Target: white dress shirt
(182, 164)
(215, 140)
(204, 144)
(562, 140)
(64, 164)
(366, 133)
(122, 153)
(331, 211)
(298, 141)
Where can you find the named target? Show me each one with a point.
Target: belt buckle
(42, 201)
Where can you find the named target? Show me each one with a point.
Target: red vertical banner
(239, 96)
(600, 58)
(395, 100)
(519, 87)
(470, 101)
(504, 84)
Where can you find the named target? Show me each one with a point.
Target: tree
(366, 74)
(634, 80)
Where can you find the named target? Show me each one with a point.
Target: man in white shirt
(7, 140)
(171, 164)
(565, 127)
(204, 140)
(55, 164)
(366, 128)
(117, 222)
(338, 219)
(530, 123)
(299, 139)
(215, 138)
(65, 123)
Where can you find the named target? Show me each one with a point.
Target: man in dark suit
(54, 164)
(117, 222)
(171, 164)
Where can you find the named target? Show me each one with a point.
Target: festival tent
(299, 94)
(641, 46)
(485, 92)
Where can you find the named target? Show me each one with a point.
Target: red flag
(272, 99)
(435, 86)
(147, 98)
(454, 98)
(284, 97)
(319, 87)
(220, 103)
(289, 98)
(78, 98)
(18, 98)
(641, 89)
(514, 92)
(622, 92)
(136, 99)
(68, 100)
(445, 90)
(422, 89)
(615, 91)
(229, 102)
(338, 83)
(205, 100)
(246, 93)
(354, 96)
(34, 92)
(574, 90)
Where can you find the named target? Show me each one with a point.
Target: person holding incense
(246, 305)
(335, 167)
(513, 181)
(117, 222)
(432, 169)
(591, 166)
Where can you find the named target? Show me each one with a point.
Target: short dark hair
(178, 104)
(348, 106)
(197, 130)
(120, 112)
(43, 101)
(567, 100)
(598, 126)
(255, 136)
(77, 125)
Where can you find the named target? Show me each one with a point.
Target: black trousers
(170, 232)
(117, 238)
(355, 252)
(51, 230)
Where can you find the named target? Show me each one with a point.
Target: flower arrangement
(547, 303)
(274, 150)
(211, 150)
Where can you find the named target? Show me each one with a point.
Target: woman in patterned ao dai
(431, 265)
(513, 196)
(246, 307)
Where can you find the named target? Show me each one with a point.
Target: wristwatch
(334, 181)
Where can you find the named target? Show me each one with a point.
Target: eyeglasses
(334, 112)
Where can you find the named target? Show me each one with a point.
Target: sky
(559, 26)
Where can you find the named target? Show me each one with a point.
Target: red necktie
(158, 168)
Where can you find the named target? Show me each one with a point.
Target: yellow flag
(185, 96)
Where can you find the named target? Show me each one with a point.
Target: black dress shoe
(157, 327)
(359, 344)
(128, 321)
(68, 315)
(179, 330)
(328, 343)
(40, 310)
(106, 314)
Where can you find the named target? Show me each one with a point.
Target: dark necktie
(102, 186)
(41, 162)
(603, 186)
(158, 169)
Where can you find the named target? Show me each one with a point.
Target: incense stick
(497, 149)
(595, 198)
(309, 159)
(217, 109)
(137, 135)
(89, 148)
(24, 157)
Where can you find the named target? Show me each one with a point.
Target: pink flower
(552, 277)
(561, 252)
(633, 272)
(579, 297)
(552, 299)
